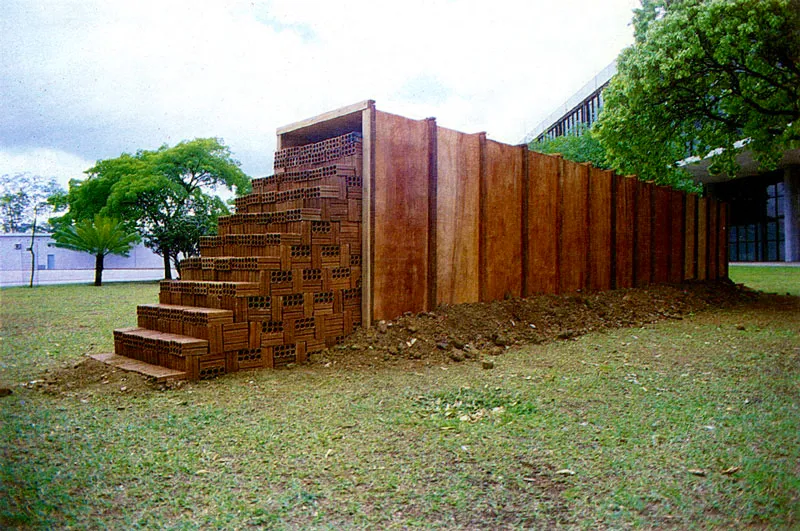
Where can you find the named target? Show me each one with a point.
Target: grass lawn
(689, 423)
(770, 279)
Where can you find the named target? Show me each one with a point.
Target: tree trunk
(98, 269)
(167, 265)
(33, 253)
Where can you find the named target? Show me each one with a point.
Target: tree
(99, 237)
(162, 194)
(24, 198)
(703, 77)
(579, 146)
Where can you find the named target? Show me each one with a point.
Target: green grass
(598, 432)
(784, 280)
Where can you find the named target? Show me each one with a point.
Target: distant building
(55, 265)
(582, 108)
(764, 220)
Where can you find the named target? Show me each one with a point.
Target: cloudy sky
(91, 79)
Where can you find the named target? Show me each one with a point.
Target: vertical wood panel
(690, 238)
(600, 233)
(543, 230)
(458, 158)
(433, 197)
(367, 212)
(574, 227)
(644, 234)
(713, 237)
(503, 231)
(661, 234)
(624, 231)
(401, 215)
(702, 238)
(677, 215)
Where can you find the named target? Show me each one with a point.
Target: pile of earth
(457, 333)
(464, 332)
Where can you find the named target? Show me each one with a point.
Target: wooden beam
(367, 213)
(326, 116)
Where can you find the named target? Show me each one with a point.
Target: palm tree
(99, 237)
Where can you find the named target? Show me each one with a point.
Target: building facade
(582, 108)
(55, 265)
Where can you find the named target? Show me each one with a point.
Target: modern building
(55, 265)
(764, 221)
(582, 108)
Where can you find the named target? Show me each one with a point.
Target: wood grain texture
(543, 223)
(458, 159)
(661, 234)
(574, 227)
(678, 217)
(702, 238)
(400, 267)
(503, 242)
(624, 231)
(690, 238)
(644, 234)
(600, 229)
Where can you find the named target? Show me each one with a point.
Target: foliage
(23, 197)
(99, 237)
(580, 146)
(702, 76)
(166, 194)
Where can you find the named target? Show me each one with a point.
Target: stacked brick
(281, 280)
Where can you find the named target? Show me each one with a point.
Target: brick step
(344, 149)
(266, 244)
(310, 232)
(155, 372)
(193, 321)
(331, 208)
(173, 351)
(328, 175)
(249, 268)
(301, 278)
(282, 200)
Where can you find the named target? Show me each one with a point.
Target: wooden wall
(458, 218)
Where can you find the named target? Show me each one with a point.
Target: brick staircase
(281, 280)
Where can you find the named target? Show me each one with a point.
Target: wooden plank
(677, 217)
(644, 234)
(690, 238)
(601, 236)
(326, 116)
(457, 220)
(503, 242)
(542, 226)
(624, 237)
(433, 186)
(713, 237)
(367, 213)
(702, 238)
(722, 260)
(661, 234)
(400, 267)
(574, 227)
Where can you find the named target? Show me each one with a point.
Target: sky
(92, 79)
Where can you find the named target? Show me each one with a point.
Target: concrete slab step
(156, 372)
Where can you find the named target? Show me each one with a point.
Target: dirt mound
(454, 334)
(466, 332)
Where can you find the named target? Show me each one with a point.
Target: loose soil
(463, 333)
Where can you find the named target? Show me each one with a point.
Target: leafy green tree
(579, 146)
(166, 195)
(99, 237)
(702, 76)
